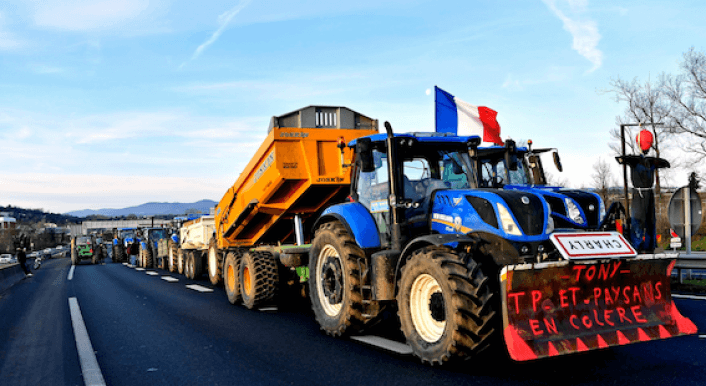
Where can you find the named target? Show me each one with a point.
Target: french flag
(461, 118)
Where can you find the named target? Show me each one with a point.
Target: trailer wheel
(173, 247)
(258, 278)
(231, 277)
(196, 264)
(334, 281)
(446, 305)
(180, 261)
(215, 263)
(189, 264)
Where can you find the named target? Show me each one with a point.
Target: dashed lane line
(385, 344)
(92, 375)
(152, 273)
(71, 273)
(170, 279)
(199, 288)
(139, 269)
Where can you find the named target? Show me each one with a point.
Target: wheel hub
(331, 280)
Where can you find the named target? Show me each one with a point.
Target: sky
(115, 103)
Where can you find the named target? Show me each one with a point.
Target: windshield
(494, 173)
(158, 233)
(83, 240)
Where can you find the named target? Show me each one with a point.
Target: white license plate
(592, 245)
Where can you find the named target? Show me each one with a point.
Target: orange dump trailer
(297, 171)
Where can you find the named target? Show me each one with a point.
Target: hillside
(150, 209)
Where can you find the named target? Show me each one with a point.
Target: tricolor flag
(458, 117)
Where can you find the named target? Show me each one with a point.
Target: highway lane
(148, 331)
(37, 344)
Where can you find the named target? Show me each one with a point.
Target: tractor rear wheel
(258, 278)
(231, 277)
(181, 255)
(215, 263)
(146, 257)
(446, 305)
(172, 263)
(335, 280)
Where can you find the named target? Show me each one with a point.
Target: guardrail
(689, 262)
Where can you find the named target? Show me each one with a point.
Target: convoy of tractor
(466, 243)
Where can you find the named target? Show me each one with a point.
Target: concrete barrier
(9, 275)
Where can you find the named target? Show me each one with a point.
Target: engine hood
(570, 208)
(516, 215)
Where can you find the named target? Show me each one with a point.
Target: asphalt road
(146, 330)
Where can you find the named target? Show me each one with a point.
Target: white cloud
(90, 15)
(223, 20)
(584, 31)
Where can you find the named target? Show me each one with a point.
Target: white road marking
(702, 336)
(170, 279)
(199, 288)
(386, 344)
(152, 273)
(89, 365)
(692, 297)
(71, 273)
(139, 269)
(124, 263)
(269, 309)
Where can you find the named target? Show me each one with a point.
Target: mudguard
(356, 218)
(563, 307)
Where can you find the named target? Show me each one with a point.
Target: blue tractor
(470, 247)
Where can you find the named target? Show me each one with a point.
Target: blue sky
(114, 103)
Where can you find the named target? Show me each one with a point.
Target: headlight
(601, 209)
(573, 211)
(508, 223)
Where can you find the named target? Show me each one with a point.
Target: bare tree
(687, 95)
(603, 178)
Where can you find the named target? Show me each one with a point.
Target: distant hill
(38, 216)
(150, 209)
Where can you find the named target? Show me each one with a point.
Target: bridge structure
(88, 227)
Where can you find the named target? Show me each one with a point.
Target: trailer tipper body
(417, 223)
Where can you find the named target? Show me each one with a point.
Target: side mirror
(364, 152)
(557, 162)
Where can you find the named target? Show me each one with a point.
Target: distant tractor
(84, 248)
(149, 248)
(121, 238)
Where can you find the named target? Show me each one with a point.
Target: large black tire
(94, 257)
(335, 280)
(189, 264)
(119, 253)
(197, 264)
(215, 263)
(258, 278)
(171, 258)
(231, 276)
(146, 257)
(181, 260)
(447, 308)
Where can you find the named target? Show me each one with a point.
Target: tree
(603, 178)
(687, 96)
